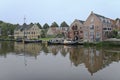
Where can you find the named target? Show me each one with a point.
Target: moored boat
(62, 42)
(32, 41)
(19, 40)
(56, 41)
(69, 42)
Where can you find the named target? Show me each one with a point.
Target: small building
(97, 28)
(27, 32)
(53, 31)
(75, 31)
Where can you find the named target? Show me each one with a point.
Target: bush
(118, 37)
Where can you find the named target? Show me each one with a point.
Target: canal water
(20, 61)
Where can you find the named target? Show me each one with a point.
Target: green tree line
(7, 29)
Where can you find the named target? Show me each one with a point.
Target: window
(75, 28)
(109, 28)
(92, 20)
(76, 33)
(91, 33)
(104, 28)
(97, 34)
(92, 27)
(81, 31)
(106, 33)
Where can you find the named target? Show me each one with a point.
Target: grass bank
(45, 39)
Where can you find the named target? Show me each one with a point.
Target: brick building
(97, 28)
(75, 31)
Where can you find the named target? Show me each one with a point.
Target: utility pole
(24, 19)
(24, 28)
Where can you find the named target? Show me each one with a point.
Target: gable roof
(24, 27)
(81, 21)
(76, 20)
(103, 18)
(99, 15)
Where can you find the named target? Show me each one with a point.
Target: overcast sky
(48, 11)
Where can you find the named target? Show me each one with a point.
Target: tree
(54, 24)
(46, 26)
(39, 25)
(43, 33)
(64, 24)
(117, 19)
(31, 24)
(114, 33)
(1, 22)
(7, 29)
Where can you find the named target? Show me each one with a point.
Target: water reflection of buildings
(28, 49)
(58, 49)
(94, 59)
(76, 55)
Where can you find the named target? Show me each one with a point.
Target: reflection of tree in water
(45, 48)
(64, 50)
(76, 55)
(55, 49)
(110, 57)
(6, 48)
(29, 49)
(93, 58)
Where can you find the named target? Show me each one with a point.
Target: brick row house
(95, 28)
(27, 32)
